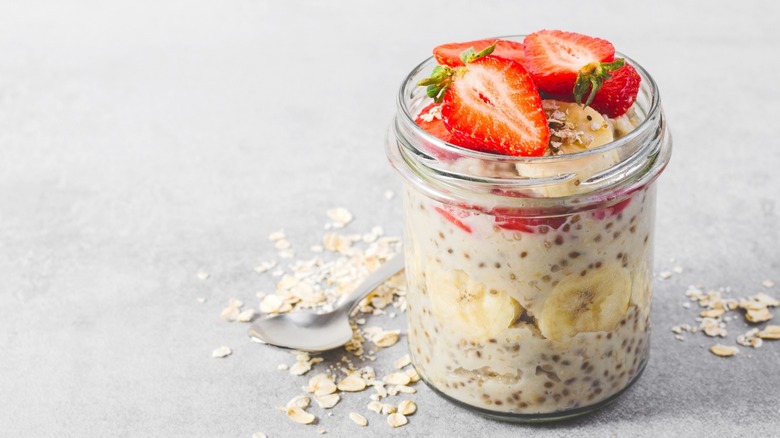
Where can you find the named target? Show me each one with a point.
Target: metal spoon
(309, 331)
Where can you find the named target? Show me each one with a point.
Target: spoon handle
(387, 270)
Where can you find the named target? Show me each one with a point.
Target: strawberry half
(449, 54)
(454, 215)
(618, 93)
(559, 60)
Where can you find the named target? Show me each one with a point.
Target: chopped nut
(221, 352)
(396, 420)
(352, 383)
(407, 407)
(723, 350)
(358, 419)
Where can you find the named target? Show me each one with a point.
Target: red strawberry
(558, 60)
(454, 215)
(449, 54)
(429, 119)
(617, 93)
(492, 105)
(529, 224)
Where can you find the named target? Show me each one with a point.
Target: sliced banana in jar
(573, 128)
(594, 302)
(474, 311)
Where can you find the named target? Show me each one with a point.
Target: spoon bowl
(315, 332)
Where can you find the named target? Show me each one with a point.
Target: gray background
(142, 142)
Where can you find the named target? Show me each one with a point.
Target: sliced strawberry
(429, 119)
(449, 54)
(555, 58)
(454, 215)
(529, 224)
(492, 105)
(617, 93)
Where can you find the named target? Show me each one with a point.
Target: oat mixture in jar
(528, 230)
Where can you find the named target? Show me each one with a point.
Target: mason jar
(529, 278)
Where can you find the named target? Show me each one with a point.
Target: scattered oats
(389, 194)
(327, 401)
(300, 401)
(352, 383)
(316, 248)
(413, 376)
(396, 420)
(360, 321)
(358, 419)
(407, 407)
(201, 300)
(723, 350)
(221, 352)
(261, 295)
(235, 302)
(259, 435)
(339, 216)
(298, 415)
(286, 253)
(766, 299)
(246, 316)
(712, 327)
(397, 379)
(336, 243)
(679, 337)
(402, 362)
(277, 235)
(264, 266)
(229, 314)
(282, 244)
(375, 406)
(282, 366)
(665, 275)
(761, 315)
(677, 329)
(388, 409)
(203, 275)
(271, 304)
(300, 368)
(712, 313)
(320, 430)
(767, 283)
(687, 305)
(405, 389)
(321, 384)
(277, 273)
(386, 339)
(770, 332)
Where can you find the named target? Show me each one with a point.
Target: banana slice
(467, 306)
(595, 302)
(573, 128)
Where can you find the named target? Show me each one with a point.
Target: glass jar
(529, 278)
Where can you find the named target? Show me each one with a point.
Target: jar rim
(649, 137)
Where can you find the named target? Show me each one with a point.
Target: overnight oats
(529, 168)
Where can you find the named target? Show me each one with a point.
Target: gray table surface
(144, 142)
